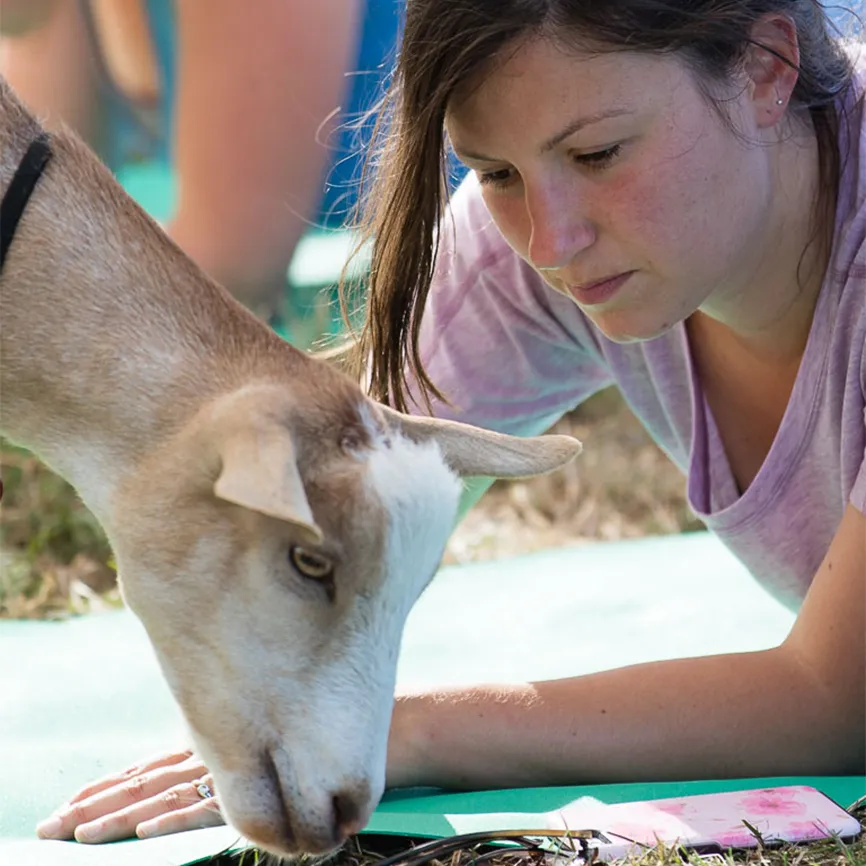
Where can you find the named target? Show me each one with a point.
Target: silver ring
(204, 790)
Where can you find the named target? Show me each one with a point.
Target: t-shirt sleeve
(858, 492)
(507, 352)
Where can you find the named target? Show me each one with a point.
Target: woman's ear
(772, 67)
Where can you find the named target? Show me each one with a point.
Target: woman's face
(615, 168)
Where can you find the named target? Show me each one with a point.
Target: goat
(271, 524)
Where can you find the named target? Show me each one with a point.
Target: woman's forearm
(749, 714)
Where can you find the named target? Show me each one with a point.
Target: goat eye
(311, 565)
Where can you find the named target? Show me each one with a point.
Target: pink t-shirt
(514, 356)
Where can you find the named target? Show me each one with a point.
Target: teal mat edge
(426, 808)
(553, 797)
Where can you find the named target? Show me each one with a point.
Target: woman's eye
(596, 161)
(600, 158)
(310, 564)
(500, 178)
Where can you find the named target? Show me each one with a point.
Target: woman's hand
(163, 795)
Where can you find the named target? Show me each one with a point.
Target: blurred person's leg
(256, 84)
(21, 16)
(123, 33)
(256, 91)
(47, 56)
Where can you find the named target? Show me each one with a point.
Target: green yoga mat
(82, 698)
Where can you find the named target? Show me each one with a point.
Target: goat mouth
(280, 833)
(272, 812)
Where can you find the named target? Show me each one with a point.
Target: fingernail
(143, 831)
(49, 828)
(89, 832)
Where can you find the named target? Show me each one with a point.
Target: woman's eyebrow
(575, 125)
(579, 123)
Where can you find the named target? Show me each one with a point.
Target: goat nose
(347, 815)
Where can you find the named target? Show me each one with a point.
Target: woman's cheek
(510, 216)
(635, 209)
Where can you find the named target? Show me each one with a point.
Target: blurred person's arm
(255, 84)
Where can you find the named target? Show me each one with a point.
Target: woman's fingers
(163, 760)
(206, 813)
(125, 793)
(181, 807)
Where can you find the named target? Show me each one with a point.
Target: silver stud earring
(780, 101)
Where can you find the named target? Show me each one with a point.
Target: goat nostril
(346, 815)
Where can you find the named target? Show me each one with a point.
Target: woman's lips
(591, 294)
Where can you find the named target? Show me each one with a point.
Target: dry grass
(54, 558)
(622, 486)
(55, 561)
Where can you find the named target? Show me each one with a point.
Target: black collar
(26, 177)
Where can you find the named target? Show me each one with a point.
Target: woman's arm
(796, 709)
(256, 81)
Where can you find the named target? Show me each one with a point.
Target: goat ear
(260, 472)
(472, 450)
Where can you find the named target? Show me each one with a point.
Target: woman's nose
(559, 230)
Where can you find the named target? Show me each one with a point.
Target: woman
(668, 196)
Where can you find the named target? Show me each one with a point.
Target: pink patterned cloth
(514, 356)
(796, 813)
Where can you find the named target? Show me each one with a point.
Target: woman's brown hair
(449, 43)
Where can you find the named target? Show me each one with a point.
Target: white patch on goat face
(420, 494)
(353, 693)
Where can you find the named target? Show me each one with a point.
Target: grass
(622, 486)
(54, 557)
